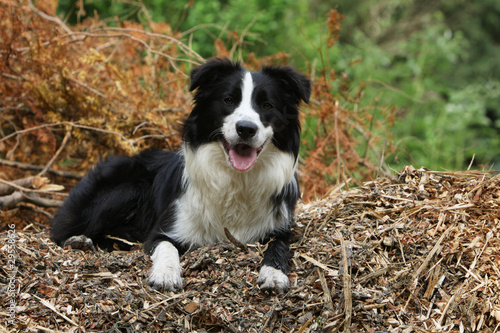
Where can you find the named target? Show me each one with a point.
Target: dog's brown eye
(267, 106)
(228, 100)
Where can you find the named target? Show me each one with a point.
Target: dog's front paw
(80, 242)
(166, 279)
(166, 271)
(272, 279)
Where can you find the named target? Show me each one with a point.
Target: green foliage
(253, 26)
(435, 61)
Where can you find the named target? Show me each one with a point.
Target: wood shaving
(419, 252)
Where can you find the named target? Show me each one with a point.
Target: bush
(114, 89)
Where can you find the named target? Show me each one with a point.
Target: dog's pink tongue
(242, 157)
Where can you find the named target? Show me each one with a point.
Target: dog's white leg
(271, 278)
(166, 271)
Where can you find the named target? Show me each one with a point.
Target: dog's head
(246, 111)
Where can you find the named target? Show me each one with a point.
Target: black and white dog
(236, 170)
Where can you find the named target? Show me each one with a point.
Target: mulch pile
(419, 252)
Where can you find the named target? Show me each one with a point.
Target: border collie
(236, 171)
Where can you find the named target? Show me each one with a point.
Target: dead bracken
(418, 252)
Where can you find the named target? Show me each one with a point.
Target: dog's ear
(212, 71)
(295, 83)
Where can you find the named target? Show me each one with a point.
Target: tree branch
(42, 202)
(25, 166)
(6, 189)
(58, 152)
(11, 200)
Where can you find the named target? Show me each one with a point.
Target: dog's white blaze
(246, 92)
(166, 270)
(219, 197)
(245, 111)
(272, 278)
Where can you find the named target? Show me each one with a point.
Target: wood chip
(418, 252)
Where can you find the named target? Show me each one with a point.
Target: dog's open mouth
(241, 156)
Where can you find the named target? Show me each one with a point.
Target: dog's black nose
(246, 129)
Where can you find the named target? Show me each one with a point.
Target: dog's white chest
(217, 197)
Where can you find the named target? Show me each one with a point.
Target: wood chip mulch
(419, 252)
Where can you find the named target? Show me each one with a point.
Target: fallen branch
(17, 191)
(10, 201)
(25, 166)
(6, 189)
(37, 210)
(42, 202)
(44, 188)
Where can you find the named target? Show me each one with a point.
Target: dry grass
(416, 253)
